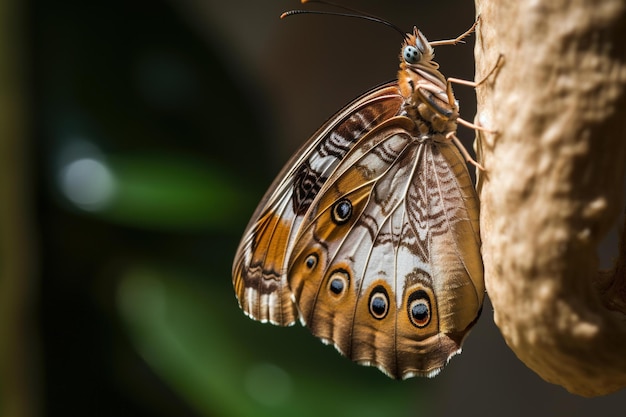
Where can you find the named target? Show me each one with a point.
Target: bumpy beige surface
(554, 182)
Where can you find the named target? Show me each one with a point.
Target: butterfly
(369, 235)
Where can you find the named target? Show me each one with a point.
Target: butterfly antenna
(339, 6)
(353, 13)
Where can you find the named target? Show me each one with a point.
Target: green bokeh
(225, 364)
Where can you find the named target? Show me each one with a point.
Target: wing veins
(446, 216)
(332, 258)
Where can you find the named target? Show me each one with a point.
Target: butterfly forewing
(259, 269)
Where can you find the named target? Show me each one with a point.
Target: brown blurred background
(138, 137)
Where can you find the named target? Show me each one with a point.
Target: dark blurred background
(137, 138)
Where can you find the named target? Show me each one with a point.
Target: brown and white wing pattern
(260, 265)
(386, 264)
(370, 233)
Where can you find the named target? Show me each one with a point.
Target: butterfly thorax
(424, 88)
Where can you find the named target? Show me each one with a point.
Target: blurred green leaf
(199, 341)
(173, 192)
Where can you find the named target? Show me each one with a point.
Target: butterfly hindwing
(376, 257)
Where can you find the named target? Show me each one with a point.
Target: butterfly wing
(260, 265)
(386, 264)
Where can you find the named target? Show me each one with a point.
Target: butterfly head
(417, 52)
(423, 87)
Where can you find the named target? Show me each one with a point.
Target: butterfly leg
(473, 84)
(475, 126)
(464, 152)
(458, 39)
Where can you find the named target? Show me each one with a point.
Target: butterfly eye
(419, 309)
(338, 281)
(342, 210)
(379, 302)
(311, 261)
(411, 54)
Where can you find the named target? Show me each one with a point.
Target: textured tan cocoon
(553, 185)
